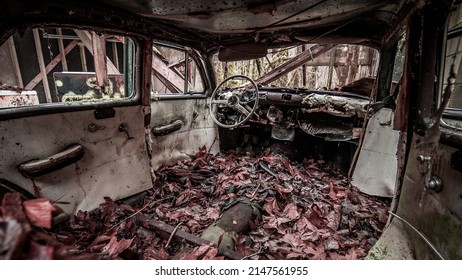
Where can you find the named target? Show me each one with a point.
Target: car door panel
(436, 215)
(197, 129)
(115, 164)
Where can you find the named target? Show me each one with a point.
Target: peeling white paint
(375, 171)
(10, 98)
(112, 165)
(335, 105)
(198, 130)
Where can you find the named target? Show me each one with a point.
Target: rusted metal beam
(161, 226)
(41, 62)
(294, 63)
(32, 84)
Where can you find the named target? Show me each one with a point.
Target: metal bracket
(431, 182)
(123, 127)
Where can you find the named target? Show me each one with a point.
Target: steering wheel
(234, 97)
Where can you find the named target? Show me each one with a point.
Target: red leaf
(153, 254)
(193, 226)
(315, 253)
(291, 212)
(212, 213)
(114, 247)
(292, 239)
(40, 212)
(40, 252)
(197, 253)
(304, 225)
(333, 218)
(271, 206)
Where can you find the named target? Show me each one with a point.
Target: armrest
(39, 167)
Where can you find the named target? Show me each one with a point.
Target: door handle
(168, 128)
(39, 167)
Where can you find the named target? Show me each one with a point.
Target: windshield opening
(310, 66)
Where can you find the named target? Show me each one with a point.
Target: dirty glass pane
(312, 66)
(171, 68)
(398, 65)
(453, 57)
(80, 66)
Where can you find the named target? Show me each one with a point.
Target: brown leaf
(212, 254)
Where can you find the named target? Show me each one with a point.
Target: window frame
(199, 60)
(448, 113)
(59, 107)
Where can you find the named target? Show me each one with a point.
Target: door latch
(431, 182)
(123, 127)
(93, 127)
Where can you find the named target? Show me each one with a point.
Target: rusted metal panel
(436, 215)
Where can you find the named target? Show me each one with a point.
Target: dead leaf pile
(23, 234)
(308, 211)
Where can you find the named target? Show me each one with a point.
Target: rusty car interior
(247, 129)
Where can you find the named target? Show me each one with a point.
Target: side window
(398, 65)
(453, 56)
(70, 66)
(175, 71)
